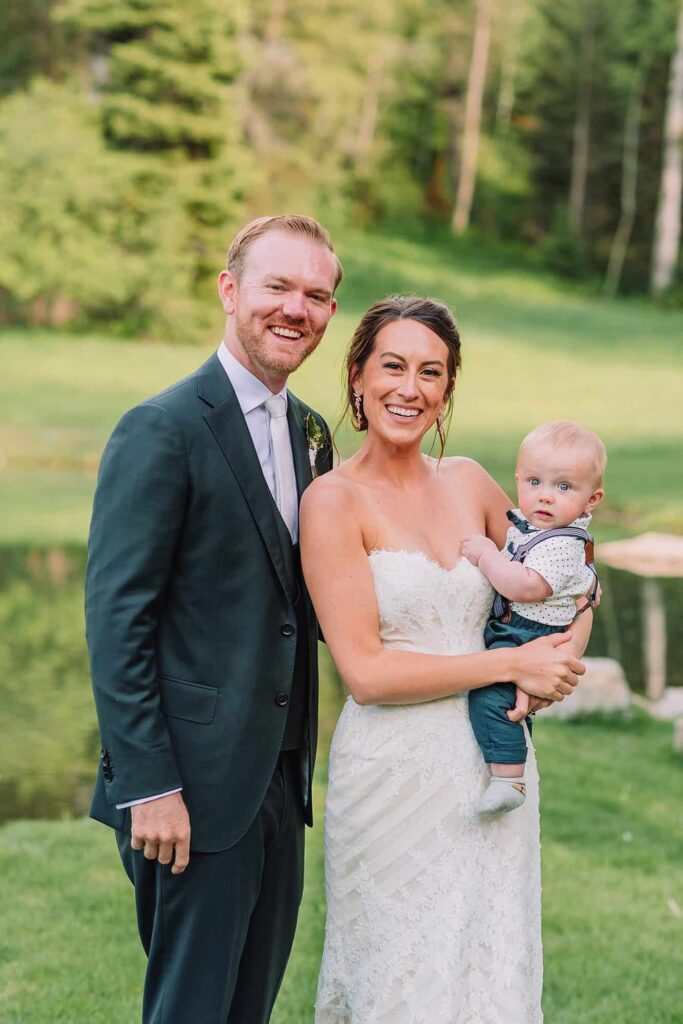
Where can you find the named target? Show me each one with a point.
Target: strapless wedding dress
(433, 916)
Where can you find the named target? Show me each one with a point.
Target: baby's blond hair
(569, 434)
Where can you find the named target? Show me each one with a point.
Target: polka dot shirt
(561, 561)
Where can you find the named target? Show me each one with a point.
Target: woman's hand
(546, 668)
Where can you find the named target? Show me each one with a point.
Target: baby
(545, 567)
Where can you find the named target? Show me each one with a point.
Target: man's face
(280, 305)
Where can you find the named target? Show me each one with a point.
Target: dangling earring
(440, 429)
(357, 401)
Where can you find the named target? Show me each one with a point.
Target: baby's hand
(474, 546)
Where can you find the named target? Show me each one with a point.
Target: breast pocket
(192, 702)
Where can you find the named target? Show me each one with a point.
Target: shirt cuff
(146, 799)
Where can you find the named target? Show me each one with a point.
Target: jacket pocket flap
(193, 702)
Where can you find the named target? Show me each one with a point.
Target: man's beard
(255, 344)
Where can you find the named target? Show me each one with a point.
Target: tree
(629, 179)
(163, 77)
(668, 224)
(473, 105)
(80, 235)
(581, 133)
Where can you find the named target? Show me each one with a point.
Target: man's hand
(474, 546)
(161, 827)
(526, 705)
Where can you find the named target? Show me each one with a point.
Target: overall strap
(501, 605)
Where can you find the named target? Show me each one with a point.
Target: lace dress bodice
(424, 607)
(433, 916)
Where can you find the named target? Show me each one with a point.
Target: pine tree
(163, 74)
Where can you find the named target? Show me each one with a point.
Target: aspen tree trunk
(276, 21)
(472, 128)
(581, 146)
(668, 224)
(511, 32)
(367, 122)
(629, 180)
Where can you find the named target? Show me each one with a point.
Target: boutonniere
(315, 440)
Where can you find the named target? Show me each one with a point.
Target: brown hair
(429, 312)
(295, 224)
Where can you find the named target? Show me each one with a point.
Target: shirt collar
(249, 390)
(524, 526)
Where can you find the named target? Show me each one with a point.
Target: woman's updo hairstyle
(432, 314)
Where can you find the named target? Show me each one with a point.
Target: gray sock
(501, 795)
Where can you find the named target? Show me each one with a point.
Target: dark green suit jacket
(192, 595)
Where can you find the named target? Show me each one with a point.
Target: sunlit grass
(612, 822)
(533, 349)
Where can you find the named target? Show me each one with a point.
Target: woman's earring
(440, 420)
(357, 401)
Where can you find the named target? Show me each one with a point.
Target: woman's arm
(339, 580)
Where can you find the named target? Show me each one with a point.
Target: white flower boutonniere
(316, 441)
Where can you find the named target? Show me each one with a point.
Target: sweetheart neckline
(419, 554)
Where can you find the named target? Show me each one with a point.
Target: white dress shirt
(251, 393)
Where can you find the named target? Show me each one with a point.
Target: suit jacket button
(281, 699)
(287, 629)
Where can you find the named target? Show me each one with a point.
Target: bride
(433, 915)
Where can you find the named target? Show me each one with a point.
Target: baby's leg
(503, 745)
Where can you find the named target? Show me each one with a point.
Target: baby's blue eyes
(564, 486)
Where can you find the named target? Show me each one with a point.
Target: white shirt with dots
(561, 561)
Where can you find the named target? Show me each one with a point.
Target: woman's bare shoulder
(330, 493)
(463, 468)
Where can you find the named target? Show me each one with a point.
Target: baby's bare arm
(511, 579)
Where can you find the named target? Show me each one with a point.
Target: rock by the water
(602, 689)
(669, 705)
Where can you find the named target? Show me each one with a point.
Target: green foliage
(625, 39)
(33, 44)
(166, 126)
(85, 233)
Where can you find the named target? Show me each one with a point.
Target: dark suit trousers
(218, 936)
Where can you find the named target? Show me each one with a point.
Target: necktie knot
(276, 406)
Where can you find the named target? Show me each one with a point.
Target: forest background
(521, 161)
(137, 134)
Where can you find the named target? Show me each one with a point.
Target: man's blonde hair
(295, 224)
(569, 434)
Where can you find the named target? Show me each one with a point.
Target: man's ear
(333, 308)
(595, 499)
(227, 286)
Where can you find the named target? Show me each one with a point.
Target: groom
(202, 640)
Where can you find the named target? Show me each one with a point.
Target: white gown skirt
(433, 917)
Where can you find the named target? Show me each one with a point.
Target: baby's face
(555, 485)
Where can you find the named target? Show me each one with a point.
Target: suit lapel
(296, 420)
(226, 422)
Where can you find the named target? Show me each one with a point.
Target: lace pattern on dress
(433, 916)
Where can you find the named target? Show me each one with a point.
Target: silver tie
(285, 479)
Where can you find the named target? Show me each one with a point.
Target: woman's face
(404, 381)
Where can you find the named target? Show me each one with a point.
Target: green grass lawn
(533, 349)
(612, 896)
